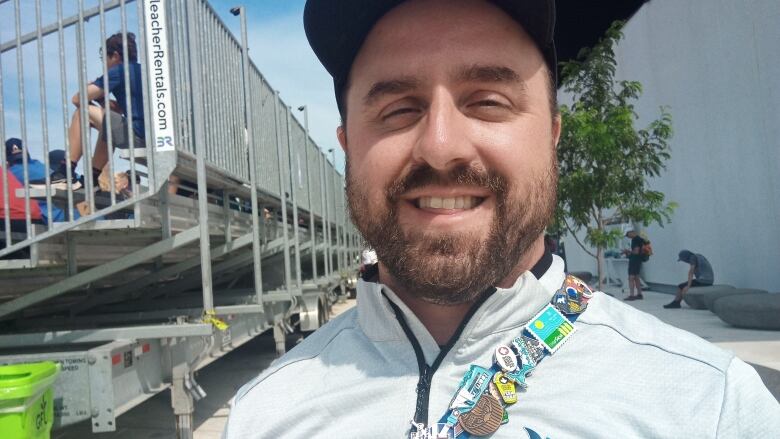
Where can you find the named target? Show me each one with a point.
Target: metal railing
(209, 114)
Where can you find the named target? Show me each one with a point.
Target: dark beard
(454, 268)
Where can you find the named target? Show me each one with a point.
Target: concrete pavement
(153, 419)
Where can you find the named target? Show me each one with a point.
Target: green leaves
(604, 159)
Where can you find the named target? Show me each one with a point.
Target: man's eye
(489, 103)
(399, 112)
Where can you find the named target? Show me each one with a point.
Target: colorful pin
(506, 388)
(551, 328)
(505, 358)
(484, 418)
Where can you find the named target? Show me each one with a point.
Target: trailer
(223, 221)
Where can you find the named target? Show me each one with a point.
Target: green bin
(26, 402)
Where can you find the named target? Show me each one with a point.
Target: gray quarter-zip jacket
(622, 374)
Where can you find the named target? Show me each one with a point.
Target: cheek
(377, 163)
(516, 150)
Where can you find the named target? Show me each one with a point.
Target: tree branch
(566, 223)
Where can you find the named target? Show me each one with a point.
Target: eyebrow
(488, 73)
(475, 73)
(390, 87)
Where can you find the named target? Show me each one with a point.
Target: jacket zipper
(425, 371)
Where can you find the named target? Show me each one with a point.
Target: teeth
(447, 203)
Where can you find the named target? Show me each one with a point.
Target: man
(699, 275)
(36, 177)
(449, 125)
(634, 265)
(123, 125)
(17, 210)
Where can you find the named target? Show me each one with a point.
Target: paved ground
(153, 419)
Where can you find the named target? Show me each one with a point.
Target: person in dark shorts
(700, 274)
(634, 265)
(124, 126)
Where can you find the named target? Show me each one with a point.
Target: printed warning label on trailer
(157, 60)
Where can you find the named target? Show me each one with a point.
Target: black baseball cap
(336, 30)
(13, 148)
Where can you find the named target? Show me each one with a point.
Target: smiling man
(468, 327)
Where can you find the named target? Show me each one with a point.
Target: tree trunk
(600, 265)
(600, 254)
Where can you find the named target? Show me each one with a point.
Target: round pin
(484, 418)
(506, 359)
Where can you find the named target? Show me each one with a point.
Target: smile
(448, 203)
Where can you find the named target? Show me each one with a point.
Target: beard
(454, 268)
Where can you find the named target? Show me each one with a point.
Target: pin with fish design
(505, 358)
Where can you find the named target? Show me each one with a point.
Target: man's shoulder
(310, 349)
(642, 330)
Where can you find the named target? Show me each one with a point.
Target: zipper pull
(424, 383)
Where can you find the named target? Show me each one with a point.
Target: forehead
(421, 36)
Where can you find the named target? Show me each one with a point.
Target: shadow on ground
(154, 418)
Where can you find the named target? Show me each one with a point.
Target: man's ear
(556, 128)
(341, 134)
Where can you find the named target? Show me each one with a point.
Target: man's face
(450, 146)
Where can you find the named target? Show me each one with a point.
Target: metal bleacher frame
(146, 288)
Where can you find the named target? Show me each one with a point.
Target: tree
(604, 161)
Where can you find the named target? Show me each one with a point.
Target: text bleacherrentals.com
(158, 56)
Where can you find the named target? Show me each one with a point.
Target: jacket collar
(505, 309)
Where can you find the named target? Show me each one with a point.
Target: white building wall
(716, 64)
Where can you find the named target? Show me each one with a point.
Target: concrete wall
(716, 64)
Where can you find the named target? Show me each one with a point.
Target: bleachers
(236, 213)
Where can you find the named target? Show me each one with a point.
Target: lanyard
(478, 407)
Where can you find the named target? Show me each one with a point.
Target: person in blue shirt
(36, 173)
(123, 124)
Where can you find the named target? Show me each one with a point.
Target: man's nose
(443, 143)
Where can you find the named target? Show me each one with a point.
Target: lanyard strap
(478, 406)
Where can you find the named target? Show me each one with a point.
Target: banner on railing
(157, 54)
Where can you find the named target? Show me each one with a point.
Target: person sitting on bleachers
(123, 125)
(16, 206)
(57, 161)
(16, 215)
(36, 174)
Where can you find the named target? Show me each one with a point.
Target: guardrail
(209, 115)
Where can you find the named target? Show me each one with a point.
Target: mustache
(465, 175)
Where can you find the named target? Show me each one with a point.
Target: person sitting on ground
(120, 125)
(634, 265)
(699, 275)
(36, 177)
